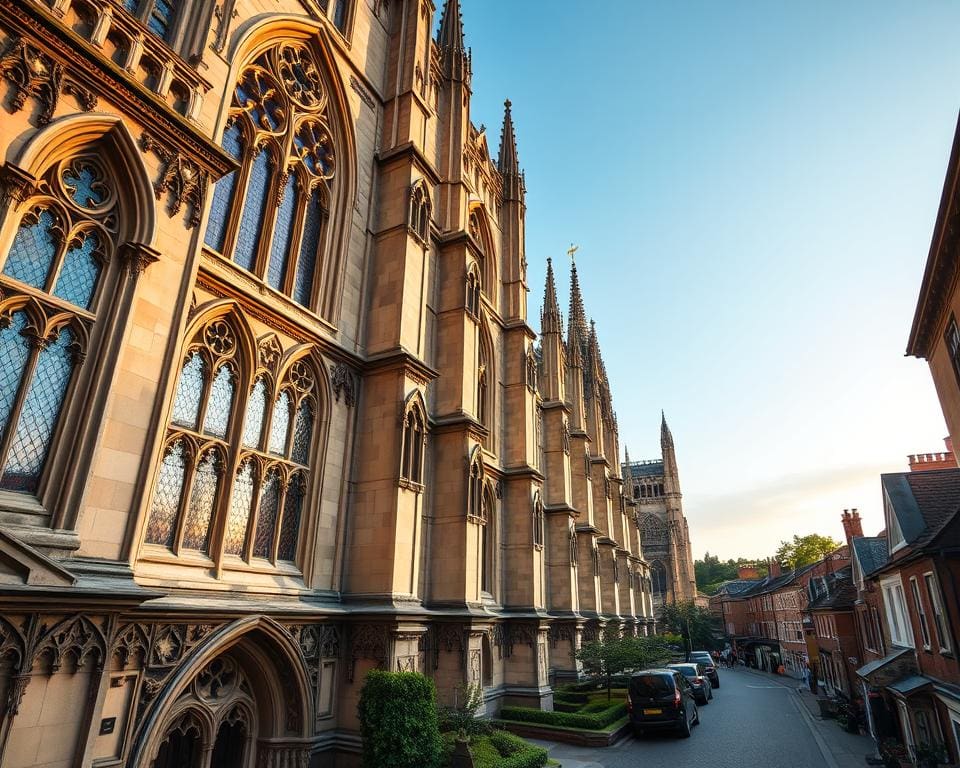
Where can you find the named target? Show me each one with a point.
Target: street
(753, 720)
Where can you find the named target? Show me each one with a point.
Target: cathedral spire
(627, 471)
(577, 317)
(666, 436)
(550, 320)
(507, 162)
(451, 26)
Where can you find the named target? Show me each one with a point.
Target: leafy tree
(462, 718)
(696, 625)
(611, 654)
(711, 572)
(804, 550)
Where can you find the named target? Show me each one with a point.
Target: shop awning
(892, 667)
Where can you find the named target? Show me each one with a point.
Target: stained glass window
(162, 524)
(235, 537)
(283, 234)
(256, 409)
(309, 245)
(203, 498)
(223, 191)
(131, 5)
(33, 250)
(219, 404)
(254, 209)
(280, 425)
(85, 185)
(28, 451)
(267, 516)
(162, 15)
(13, 358)
(80, 270)
(302, 432)
(292, 510)
(186, 407)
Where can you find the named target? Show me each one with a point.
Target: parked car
(704, 657)
(696, 675)
(661, 698)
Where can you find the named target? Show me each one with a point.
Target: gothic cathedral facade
(271, 410)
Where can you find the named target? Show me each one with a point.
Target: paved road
(752, 721)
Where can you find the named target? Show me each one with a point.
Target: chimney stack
(851, 525)
(748, 572)
(773, 567)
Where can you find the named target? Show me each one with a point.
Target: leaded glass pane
(220, 403)
(302, 432)
(223, 192)
(162, 525)
(162, 16)
(131, 5)
(280, 424)
(307, 263)
(256, 409)
(283, 234)
(78, 276)
(236, 534)
(292, 510)
(267, 517)
(254, 209)
(186, 407)
(203, 498)
(41, 407)
(33, 250)
(13, 359)
(85, 184)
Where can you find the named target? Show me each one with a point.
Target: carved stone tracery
(183, 179)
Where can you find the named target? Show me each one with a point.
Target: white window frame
(921, 613)
(898, 617)
(895, 538)
(940, 619)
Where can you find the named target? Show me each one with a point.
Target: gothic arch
(72, 135)
(478, 224)
(279, 685)
(252, 40)
(229, 310)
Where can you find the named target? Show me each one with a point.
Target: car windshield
(651, 685)
(687, 670)
(704, 657)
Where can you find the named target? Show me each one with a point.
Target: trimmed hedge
(571, 697)
(501, 750)
(398, 721)
(564, 706)
(590, 722)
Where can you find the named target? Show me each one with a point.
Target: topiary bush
(592, 722)
(398, 721)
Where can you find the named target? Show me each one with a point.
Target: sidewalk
(847, 750)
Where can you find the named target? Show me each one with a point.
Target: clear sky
(753, 186)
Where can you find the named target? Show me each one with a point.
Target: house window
(159, 16)
(539, 527)
(921, 614)
(952, 339)
(255, 486)
(270, 216)
(877, 629)
(897, 616)
(52, 288)
(939, 618)
(413, 444)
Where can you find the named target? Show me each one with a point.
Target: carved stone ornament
(137, 257)
(367, 641)
(77, 639)
(343, 384)
(183, 179)
(16, 185)
(270, 352)
(34, 74)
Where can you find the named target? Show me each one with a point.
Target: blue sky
(753, 186)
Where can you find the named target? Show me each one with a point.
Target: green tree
(804, 550)
(711, 572)
(398, 721)
(696, 625)
(610, 654)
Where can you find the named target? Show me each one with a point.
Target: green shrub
(398, 721)
(563, 706)
(592, 722)
(595, 706)
(571, 697)
(507, 743)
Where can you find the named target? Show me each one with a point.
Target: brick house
(919, 676)
(835, 633)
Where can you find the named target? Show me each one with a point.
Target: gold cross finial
(572, 250)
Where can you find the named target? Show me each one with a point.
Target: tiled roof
(737, 586)
(871, 552)
(640, 469)
(841, 591)
(924, 502)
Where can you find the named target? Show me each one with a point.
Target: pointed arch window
(539, 524)
(574, 553)
(472, 301)
(475, 509)
(236, 452)
(413, 446)
(161, 17)
(269, 217)
(418, 217)
(51, 283)
(488, 563)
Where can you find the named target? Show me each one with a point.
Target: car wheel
(685, 727)
(716, 684)
(696, 717)
(703, 700)
(638, 733)
(711, 693)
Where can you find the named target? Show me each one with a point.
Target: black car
(703, 657)
(661, 698)
(697, 677)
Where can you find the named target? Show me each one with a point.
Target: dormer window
(895, 539)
